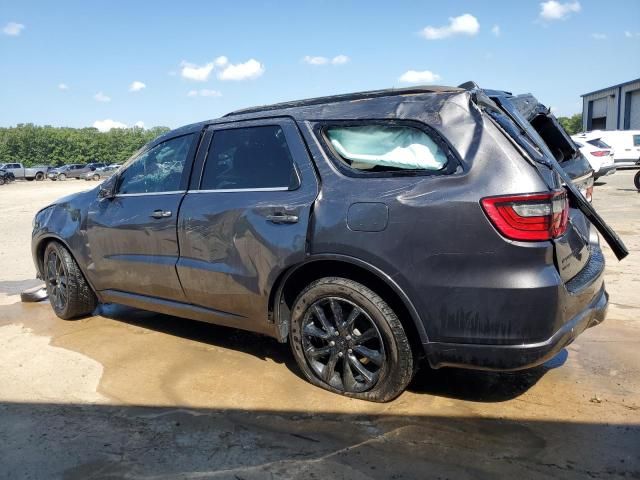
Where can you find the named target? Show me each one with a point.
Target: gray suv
(367, 230)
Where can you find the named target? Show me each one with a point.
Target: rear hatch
(559, 162)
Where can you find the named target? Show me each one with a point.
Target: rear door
(132, 236)
(246, 218)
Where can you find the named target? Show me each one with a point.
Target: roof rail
(344, 98)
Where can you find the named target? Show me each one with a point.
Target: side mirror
(107, 188)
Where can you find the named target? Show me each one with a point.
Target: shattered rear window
(383, 148)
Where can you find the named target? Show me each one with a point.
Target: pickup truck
(29, 173)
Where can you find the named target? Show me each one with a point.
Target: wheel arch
(292, 281)
(39, 253)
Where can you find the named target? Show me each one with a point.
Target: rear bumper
(605, 170)
(518, 357)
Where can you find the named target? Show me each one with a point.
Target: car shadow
(77, 441)
(254, 344)
(463, 384)
(480, 385)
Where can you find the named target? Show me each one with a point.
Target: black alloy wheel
(56, 280)
(342, 345)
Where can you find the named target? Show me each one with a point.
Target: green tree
(572, 124)
(46, 145)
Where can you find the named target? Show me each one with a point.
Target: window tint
(158, 169)
(381, 147)
(253, 157)
(636, 140)
(596, 142)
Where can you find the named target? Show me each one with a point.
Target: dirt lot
(129, 394)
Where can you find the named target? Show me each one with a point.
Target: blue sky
(69, 63)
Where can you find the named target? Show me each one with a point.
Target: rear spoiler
(497, 110)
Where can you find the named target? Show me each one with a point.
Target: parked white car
(599, 154)
(625, 144)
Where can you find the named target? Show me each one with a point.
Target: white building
(612, 108)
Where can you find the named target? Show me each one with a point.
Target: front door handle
(282, 218)
(161, 214)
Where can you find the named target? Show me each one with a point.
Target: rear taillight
(529, 217)
(600, 153)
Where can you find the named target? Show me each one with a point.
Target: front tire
(62, 177)
(69, 293)
(636, 180)
(346, 339)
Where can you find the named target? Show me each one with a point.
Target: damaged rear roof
(348, 97)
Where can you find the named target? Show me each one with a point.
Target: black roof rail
(344, 98)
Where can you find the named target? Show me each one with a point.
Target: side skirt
(179, 309)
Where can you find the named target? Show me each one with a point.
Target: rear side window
(596, 142)
(384, 147)
(249, 158)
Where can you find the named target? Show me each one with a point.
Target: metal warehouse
(612, 108)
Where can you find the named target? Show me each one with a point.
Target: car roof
(374, 104)
(347, 97)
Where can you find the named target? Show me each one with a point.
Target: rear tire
(69, 293)
(39, 176)
(347, 340)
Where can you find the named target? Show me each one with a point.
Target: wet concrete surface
(130, 394)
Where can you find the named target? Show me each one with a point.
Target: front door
(246, 219)
(132, 236)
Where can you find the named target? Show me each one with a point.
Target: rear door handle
(282, 218)
(161, 214)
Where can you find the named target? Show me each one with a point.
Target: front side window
(386, 148)
(249, 158)
(158, 169)
(636, 140)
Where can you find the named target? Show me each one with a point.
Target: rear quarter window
(386, 148)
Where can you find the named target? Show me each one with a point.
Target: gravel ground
(129, 394)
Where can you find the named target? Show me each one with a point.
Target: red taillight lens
(600, 153)
(529, 217)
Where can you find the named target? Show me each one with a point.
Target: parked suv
(367, 230)
(74, 170)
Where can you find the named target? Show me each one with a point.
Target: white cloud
(337, 60)
(629, 34)
(204, 93)
(554, 10)
(108, 124)
(465, 24)
(63, 86)
(599, 36)
(340, 60)
(101, 97)
(242, 71)
(221, 61)
(137, 86)
(496, 30)
(414, 76)
(195, 72)
(139, 124)
(315, 60)
(13, 29)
